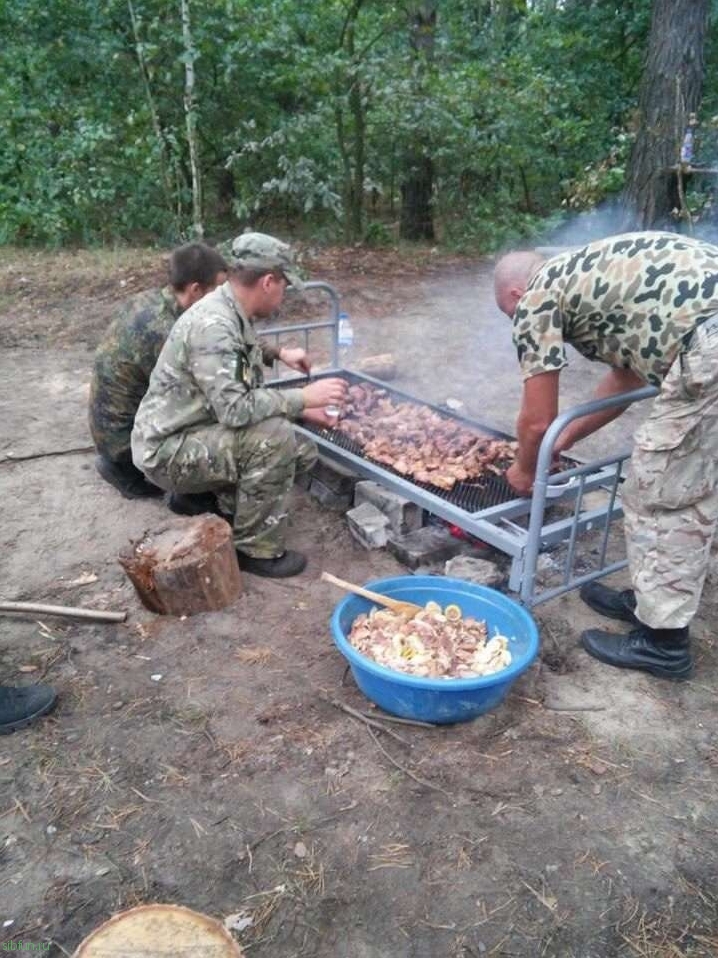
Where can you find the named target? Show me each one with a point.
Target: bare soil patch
(205, 761)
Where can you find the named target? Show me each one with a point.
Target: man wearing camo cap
(209, 424)
(647, 305)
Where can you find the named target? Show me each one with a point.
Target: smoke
(585, 227)
(707, 231)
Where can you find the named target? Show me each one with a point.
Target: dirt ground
(205, 761)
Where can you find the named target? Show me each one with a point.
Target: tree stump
(153, 931)
(186, 566)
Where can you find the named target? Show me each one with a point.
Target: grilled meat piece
(417, 441)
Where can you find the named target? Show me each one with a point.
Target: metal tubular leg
(574, 533)
(541, 482)
(609, 513)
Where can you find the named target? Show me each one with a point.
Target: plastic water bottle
(346, 333)
(687, 148)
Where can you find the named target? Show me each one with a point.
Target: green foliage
(378, 234)
(305, 110)
(598, 181)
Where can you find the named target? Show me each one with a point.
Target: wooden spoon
(397, 605)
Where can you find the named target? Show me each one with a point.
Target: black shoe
(128, 480)
(610, 602)
(662, 652)
(282, 567)
(21, 706)
(193, 504)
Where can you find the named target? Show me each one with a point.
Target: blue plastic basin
(439, 700)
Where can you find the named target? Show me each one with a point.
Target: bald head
(512, 276)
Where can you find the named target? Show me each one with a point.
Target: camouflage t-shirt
(209, 371)
(627, 301)
(123, 363)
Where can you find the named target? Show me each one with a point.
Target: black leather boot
(612, 603)
(21, 706)
(662, 652)
(126, 478)
(192, 504)
(282, 567)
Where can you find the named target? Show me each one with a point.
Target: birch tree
(190, 110)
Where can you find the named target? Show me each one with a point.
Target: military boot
(289, 563)
(192, 504)
(662, 652)
(22, 706)
(126, 478)
(610, 602)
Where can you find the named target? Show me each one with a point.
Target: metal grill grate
(468, 496)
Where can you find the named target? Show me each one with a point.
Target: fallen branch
(369, 722)
(404, 769)
(67, 611)
(575, 708)
(399, 721)
(43, 455)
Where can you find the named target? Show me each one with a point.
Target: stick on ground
(67, 611)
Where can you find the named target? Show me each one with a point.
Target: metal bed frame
(521, 528)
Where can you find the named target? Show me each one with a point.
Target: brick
(303, 480)
(328, 497)
(425, 546)
(368, 525)
(335, 477)
(472, 569)
(404, 516)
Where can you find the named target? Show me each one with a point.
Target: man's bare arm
(539, 407)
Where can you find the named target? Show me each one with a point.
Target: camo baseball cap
(261, 251)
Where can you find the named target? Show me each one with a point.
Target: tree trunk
(351, 137)
(357, 108)
(190, 110)
(417, 184)
(416, 221)
(671, 89)
(151, 105)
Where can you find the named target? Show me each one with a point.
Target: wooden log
(187, 566)
(381, 366)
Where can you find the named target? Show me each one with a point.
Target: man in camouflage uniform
(208, 423)
(647, 305)
(127, 354)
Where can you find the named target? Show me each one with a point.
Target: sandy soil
(578, 819)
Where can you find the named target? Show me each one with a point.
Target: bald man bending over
(646, 304)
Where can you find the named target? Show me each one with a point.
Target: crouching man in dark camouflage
(127, 355)
(647, 305)
(208, 423)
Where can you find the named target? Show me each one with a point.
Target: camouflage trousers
(670, 499)
(250, 470)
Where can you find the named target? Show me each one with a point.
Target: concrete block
(329, 497)
(434, 568)
(404, 516)
(334, 477)
(472, 569)
(368, 525)
(425, 546)
(303, 480)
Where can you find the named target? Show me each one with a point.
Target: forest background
(468, 123)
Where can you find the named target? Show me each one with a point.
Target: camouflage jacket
(628, 301)
(209, 371)
(123, 362)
